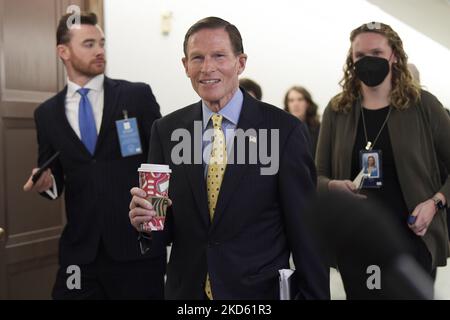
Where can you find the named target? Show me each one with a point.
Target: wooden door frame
(96, 6)
(3, 280)
(24, 115)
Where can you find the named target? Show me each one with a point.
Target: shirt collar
(231, 111)
(95, 84)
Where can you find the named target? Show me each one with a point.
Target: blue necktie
(86, 121)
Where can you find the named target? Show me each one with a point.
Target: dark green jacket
(419, 135)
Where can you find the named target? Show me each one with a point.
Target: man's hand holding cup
(141, 210)
(149, 204)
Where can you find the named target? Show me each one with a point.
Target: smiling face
(84, 54)
(213, 67)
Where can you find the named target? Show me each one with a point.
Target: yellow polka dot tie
(216, 170)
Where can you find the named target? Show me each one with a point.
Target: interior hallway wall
(288, 42)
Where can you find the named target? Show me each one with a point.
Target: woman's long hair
(405, 90)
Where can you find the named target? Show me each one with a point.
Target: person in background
(414, 72)
(381, 109)
(251, 87)
(298, 102)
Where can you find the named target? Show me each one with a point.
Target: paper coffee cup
(154, 180)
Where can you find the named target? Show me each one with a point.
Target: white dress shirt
(95, 96)
(72, 105)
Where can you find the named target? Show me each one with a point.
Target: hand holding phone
(32, 183)
(44, 167)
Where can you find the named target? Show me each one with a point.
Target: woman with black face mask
(383, 113)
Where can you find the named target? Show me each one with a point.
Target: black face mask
(372, 70)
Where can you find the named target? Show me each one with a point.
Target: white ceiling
(430, 17)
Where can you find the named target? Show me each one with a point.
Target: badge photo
(371, 166)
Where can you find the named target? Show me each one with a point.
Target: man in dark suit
(232, 225)
(96, 173)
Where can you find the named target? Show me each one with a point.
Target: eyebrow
(196, 53)
(372, 50)
(92, 40)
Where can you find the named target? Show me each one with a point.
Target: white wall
(288, 42)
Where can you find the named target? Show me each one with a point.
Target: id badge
(128, 133)
(372, 168)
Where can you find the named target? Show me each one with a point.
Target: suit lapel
(249, 118)
(111, 92)
(194, 171)
(62, 119)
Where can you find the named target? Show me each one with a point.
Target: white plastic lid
(147, 167)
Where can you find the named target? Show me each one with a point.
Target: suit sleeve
(45, 151)
(156, 156)
(149, 113)
(323, 153)
(297, 180)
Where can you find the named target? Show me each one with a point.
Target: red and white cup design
(154, 180)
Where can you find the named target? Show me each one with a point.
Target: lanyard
(370, 145)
